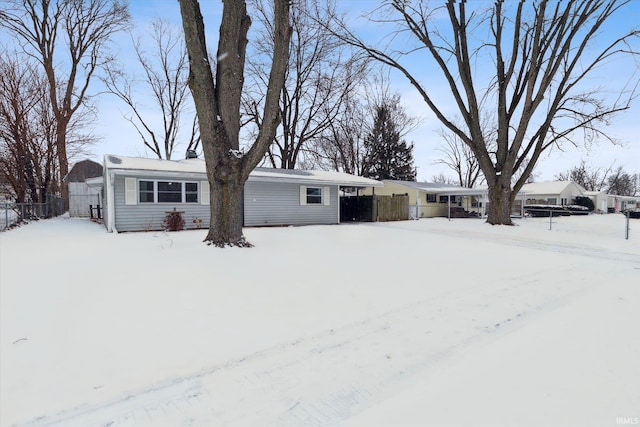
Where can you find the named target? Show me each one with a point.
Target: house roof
(124, 164)
(440, 188)
(82, 170)
(595, 193)
(549, 187)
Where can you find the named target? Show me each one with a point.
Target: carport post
(449, 206)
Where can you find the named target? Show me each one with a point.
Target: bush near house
(585, 201)
(174, 221)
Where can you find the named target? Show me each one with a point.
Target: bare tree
(20, 93)
(592, 179)
(28, 160)
(81, 31)
(622, 183)
(342, 146)
(164, 73)
(443, 179)
(459, 157)
(543, 54)
(321, 74)
(218, 107)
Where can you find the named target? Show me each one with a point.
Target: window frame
(317, 197)
(447, 199)
(185, 194)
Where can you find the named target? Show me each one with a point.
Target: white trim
(326, 196)
(110, 200)
(204, 193)
(130, 191)
(303, 195)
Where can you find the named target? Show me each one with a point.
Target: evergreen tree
(386, 155)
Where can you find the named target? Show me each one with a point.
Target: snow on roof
(141, 164)
(549, 187)
(122, 163)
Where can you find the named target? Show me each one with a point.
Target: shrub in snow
(174, 221)
(585, 201)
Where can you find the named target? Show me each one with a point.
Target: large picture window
(168, 192)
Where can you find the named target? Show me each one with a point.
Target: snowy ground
(416, 323)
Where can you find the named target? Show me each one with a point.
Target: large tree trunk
(500, 200)
(217, 104)
(226, 210)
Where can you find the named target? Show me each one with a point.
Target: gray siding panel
(265, 203)
(271, 203)
(150, 216)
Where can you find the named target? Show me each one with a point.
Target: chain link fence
(12, 214)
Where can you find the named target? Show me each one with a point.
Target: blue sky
(119, 136)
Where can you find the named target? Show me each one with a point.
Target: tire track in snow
(322, 379)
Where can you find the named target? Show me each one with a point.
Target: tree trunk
(218, 108)
(500, 200)
(226, 198)
(63, 161)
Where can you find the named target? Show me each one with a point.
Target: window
(445, 199)
(314, 195)
(147, 192)
(168, 192)
(431, 198)
(191, 192)
(552, 200)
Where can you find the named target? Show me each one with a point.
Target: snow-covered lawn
(415, 323)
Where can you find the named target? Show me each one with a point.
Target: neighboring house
(552, 192)
(82, 195)
(622, 203)
(564, 193)
(599, 199)
(138, 194)
(428, 200)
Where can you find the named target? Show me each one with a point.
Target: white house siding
(80, 197)
(271, 203)
(150, 216)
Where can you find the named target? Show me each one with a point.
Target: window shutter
(204, 192)
(326, 196)
(303, 195)
(130, 191)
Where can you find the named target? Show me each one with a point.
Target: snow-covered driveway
(428, 322)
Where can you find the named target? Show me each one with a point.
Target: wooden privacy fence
(374, 208)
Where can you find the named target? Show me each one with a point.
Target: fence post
(550, 216)
(627, 227)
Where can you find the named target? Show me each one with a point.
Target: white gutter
(109, 178)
